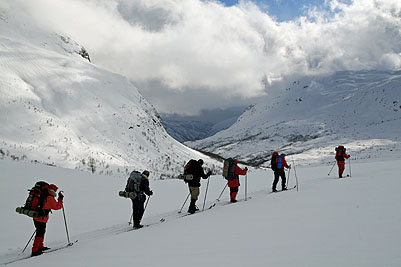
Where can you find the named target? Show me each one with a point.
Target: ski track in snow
(149, 222)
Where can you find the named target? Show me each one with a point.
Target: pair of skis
(44, 252)
(278, 191)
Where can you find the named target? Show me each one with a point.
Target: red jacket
(50, 203)
(237, 171)
(340, 155)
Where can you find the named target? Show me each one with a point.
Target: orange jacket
(50, 203)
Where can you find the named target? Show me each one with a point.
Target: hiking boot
(37, 253)
(233, 200)
(44, 249)
(191, 210)
(274, 190)
(138, 226)
(284, 189)
(192, 207)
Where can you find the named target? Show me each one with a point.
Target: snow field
(328, 222)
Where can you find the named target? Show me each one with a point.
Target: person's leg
(341, 167)
(233, 193)
(283, 180)
(39, 237)
(276, 178)
(194, 197)
(138, 210)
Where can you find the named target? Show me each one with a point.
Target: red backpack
(34, 203)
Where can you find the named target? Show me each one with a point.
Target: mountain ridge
(59, 109)
(360, 109)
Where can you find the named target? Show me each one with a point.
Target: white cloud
(192, 45)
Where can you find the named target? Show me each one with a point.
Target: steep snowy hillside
(361, 110)
(58, 108)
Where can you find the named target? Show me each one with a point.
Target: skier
(49, 204)
(277, 164)
(138, 202)
(234, 183)
(197, 171)
(340, 157)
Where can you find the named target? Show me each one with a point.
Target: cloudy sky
(189, 55)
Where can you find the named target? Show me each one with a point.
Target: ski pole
(184, 203)
(66, 228)
(349, 165)
(207, 187)
(218, 199)
(144, 209)
(130, 220)
(331, 169)
(246, 186)
(28, 242)
(295, 172)
(147, 201)
(288, 180)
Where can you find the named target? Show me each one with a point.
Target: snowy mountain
(187, 130)
(59, 109)
(190, 128)
(311, 116)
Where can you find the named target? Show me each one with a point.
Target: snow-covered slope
(361, 110)
(58, 108)
(329, 222)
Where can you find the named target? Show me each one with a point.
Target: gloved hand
(150, 193)
(209, 173)
(246, 168)
(60, 196)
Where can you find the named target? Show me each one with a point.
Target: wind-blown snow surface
(361, 110)
(59, 109)
(328, 222)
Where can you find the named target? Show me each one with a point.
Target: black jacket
(197, 172)
(144, 186)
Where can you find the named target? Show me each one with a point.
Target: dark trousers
(40, 228)
(138, 208)
(277, 175)
(40, 236)
(233, 192)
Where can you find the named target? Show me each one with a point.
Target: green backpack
(132, 189)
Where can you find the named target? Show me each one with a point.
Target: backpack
(340, 150)
(229, 169)
(280, 162)
(189, 171)
(34, 203)
(132, 189)
(273, 161)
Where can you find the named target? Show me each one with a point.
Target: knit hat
(145, 174)
(53, 189)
